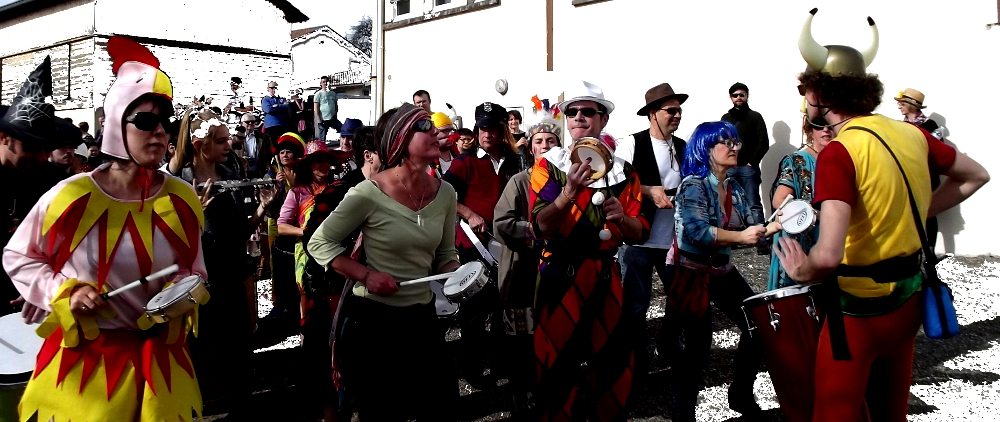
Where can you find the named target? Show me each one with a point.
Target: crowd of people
(566, 221)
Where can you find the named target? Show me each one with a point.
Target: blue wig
(699, 148)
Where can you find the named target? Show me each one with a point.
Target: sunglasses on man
(586, 111)
(148, 121)
(250, 122)
(673, 111)
(738, 95)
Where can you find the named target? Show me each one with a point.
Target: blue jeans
(324, 125)
(749, 178)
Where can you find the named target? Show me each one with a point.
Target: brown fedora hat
(660, 92)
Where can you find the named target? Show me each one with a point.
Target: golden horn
(814, 54)
(869, 54)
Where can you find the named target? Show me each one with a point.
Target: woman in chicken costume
(95, 232)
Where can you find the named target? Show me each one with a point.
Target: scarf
(919, 119)
(399, 130)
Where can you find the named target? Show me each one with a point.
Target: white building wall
(197, 72)
(701, 48)
(255, 24)
(52, 25)
(316, 55)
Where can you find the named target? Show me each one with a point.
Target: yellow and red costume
(115, 364)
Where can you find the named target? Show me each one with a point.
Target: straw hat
(912, 97)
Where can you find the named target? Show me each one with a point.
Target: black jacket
(753, 132)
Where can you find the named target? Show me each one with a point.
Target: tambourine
(600, 156)
(798, 216)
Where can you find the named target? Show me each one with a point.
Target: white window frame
(416, 9)
(446, 6)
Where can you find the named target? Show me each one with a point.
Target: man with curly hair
(868, 251)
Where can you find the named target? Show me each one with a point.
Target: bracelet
(571, 199)
(364, 280)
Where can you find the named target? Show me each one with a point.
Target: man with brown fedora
(753, 132)
(656, 155)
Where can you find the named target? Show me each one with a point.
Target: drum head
(19, 346)
(776, 294)
(465, 277)
(599, 155)
(797, 216)
(173, 293)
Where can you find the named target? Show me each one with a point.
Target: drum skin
(593, 148)
(798, 216)
(19, 346)
(791, 349)
(173, 302)
(469, 279)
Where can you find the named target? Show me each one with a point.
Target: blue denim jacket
(699, 210)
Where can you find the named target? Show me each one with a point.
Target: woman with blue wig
(713, 215)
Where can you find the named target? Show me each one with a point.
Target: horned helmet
(836, 60)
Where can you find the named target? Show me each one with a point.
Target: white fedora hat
(586, 91)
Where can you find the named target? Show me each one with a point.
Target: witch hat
(30, 118)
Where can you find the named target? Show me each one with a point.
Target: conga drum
(19, 346)
(787, 322)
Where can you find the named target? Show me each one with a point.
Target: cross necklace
(420, 206)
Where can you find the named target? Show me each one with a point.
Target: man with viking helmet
(103, 359)
(868, 250)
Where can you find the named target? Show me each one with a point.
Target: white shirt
(661, 234)
(251, 145)
(482, 153)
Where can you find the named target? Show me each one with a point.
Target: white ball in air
(605, 234)
(597, 199)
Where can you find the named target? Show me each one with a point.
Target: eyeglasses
(673, 110)
(250, 122)
(818, 105)
(738, 95)
(586, 111)
(148, 121)
(732, 144)
(423, 125)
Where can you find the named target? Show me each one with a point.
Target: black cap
(66, 134)
(738, 86)
(236, 80)
(489, 114)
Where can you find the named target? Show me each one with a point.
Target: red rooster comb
(123, 50)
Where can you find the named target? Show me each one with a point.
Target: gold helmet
(836, 60)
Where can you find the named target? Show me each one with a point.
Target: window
(440, 2)
(402, 7)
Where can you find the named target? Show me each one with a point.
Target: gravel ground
(953, 380)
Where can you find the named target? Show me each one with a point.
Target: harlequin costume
(867, 341)
(579, 294)
(116, 364)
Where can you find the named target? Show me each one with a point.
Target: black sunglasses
(586, 111)
(673, 110)
(252, 122)
(423, 125)
(738, 94)
(148, 121)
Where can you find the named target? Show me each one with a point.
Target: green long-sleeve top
(394, 243)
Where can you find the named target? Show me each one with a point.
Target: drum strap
(829, 293)
(887, 271)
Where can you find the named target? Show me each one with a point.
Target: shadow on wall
(950, 222)
(769, 164)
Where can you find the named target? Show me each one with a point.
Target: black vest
(644, 162)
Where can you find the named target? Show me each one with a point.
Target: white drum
(465, 282)
(177, 300)
(444, 307)
(798, 216)
(19, 346)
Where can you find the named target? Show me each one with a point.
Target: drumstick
(152, 277)
(783, 203)
(428, 278)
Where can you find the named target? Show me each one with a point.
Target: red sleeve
(940, 156)
(835, 175)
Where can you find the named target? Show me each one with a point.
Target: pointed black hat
(29, 118)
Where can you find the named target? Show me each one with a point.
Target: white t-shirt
(661, 234)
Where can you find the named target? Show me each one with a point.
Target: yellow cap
(440, 120)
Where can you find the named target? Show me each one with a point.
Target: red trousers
(880, 369)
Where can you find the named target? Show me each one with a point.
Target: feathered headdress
(137, 73)
(543, 118)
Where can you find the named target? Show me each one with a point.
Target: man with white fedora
(583, 220)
